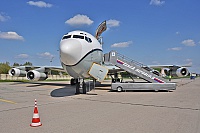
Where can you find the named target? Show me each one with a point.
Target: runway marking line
(7, 101)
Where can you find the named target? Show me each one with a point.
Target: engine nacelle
(182, 72)
(35, 75)
(17, 72)
(165, 72)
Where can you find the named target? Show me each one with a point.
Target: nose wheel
(80, 84)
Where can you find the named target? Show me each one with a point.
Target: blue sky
(153, 32)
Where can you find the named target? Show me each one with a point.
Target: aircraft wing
(33, 72)
(169, 66)
(56, 68)
(47, 68)
(176, 70)
(173, 70)
(112, 69)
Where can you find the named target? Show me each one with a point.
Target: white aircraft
(79, 52)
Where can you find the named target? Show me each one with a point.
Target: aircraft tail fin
(101, 28)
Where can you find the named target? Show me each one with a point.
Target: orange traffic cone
(36, 119)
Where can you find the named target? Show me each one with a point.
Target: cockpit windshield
(89, 40)
(78, 36)
(66, 37)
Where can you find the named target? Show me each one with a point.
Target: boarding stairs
(134, 67)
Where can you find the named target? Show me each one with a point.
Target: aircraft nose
(70, 51)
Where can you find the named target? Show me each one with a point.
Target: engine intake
(37, 76)
(182, 72)
(17, 72)
(165, 72)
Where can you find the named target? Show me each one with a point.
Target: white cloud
(112, 23)
(11, 36)
(188, 42)
(122, 44)
(157, 2)
(22, 56)
(3, 17)
(189, 62)
(46, 55)
(79, 20)
(177, 33)
(40, 4)
(175, 49)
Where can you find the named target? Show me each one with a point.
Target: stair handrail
(130, 60)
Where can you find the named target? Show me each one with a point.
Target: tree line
(5, 67)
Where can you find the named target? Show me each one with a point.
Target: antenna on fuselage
(101, 28)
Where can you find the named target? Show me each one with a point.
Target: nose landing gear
(80, 84)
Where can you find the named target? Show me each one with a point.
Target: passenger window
(78, 36)
(66, 37)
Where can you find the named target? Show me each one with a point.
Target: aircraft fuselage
(78, 51)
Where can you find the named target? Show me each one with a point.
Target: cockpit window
(88, 39)
(78, 36)
(66, 37)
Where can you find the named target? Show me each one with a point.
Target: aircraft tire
(72, 81)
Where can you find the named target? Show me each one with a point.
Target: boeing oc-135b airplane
(81, 56)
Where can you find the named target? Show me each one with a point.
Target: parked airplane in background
(80, 53)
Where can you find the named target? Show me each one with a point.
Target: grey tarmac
(131, 112)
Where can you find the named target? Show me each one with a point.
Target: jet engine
(165, 72)
(36, 75)
(181, 72)
(17, 72)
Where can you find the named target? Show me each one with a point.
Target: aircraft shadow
(51, 84)
(40, 83)
(63, 92)
(69, 90)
